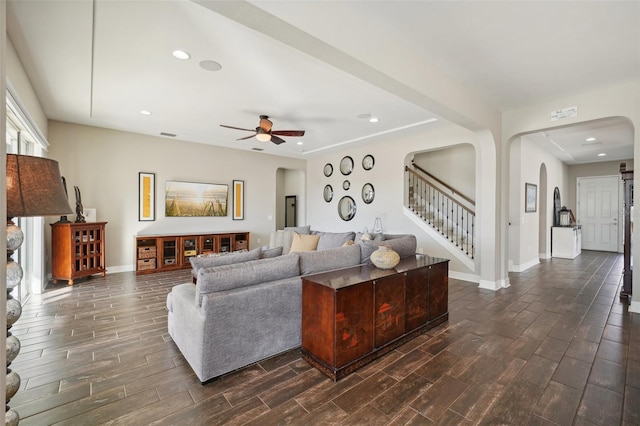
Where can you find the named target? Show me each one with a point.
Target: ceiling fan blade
(246, 137)
(288, 132)
(276, 139)
(265, 123)
(237, 128)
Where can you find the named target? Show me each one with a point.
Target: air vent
(171, 135)
(257, 149)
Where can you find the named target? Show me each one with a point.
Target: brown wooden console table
(352, 316)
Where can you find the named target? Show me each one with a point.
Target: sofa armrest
(186, 324)
(245, 325)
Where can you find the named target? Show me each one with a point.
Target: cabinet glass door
(189, 249)
(169, 256)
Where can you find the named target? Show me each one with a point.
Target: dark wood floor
(557, 347)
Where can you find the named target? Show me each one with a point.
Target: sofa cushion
(312, 262)
(281, 238)
(330, 240)
(404, 246)
(302, 242)
(271, 252)
(198, 263)
(226, 277)
(299, 229)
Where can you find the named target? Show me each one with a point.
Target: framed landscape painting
(191, 199)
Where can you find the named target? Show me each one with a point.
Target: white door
(598, 212)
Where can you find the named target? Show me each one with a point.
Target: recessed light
(590, 139)
(602, 154)
(145, 112)
(300, 143)
(180, 54)
(210, 65)
(373, 120)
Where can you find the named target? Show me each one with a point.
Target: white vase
(385, 258)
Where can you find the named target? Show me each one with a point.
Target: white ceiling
(100, 62)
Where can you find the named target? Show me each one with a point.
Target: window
(22, 138)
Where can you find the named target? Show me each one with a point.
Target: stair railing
(446, 210)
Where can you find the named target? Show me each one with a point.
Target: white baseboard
(494, 285)
(121, 268)
(462, 276)
(524, 266)
(634, 307)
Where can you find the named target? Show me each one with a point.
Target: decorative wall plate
(346, 165)
(328, 169)
(327, 194)
(368, 162)
(368, 193)
(346, 208)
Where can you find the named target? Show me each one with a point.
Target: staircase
(442, 208)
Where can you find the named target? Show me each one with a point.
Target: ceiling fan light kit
(263, 136)
(264, 132)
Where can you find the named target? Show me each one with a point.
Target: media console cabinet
(159, 253)
(352, 316)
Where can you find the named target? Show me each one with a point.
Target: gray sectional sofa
(240, 313)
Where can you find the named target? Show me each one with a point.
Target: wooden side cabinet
(354, 315)
(78, 250)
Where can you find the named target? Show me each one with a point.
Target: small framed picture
(530, 197)
(238, 200)
(146, 196)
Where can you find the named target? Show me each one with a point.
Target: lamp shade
(34, 187)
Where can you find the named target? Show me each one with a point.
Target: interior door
(598, 207)
(290, 210)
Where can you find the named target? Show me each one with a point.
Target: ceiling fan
(264, 133)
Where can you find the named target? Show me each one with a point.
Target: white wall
(105, 164)
(20, 85)
(387, 178)
(526, 161)
(456, 166)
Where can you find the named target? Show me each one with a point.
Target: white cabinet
(566, 241)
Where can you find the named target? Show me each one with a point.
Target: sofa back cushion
(404, 246)
(284, 237)
(313, 262)
(226, 277)
(329, 240)
(198, 263)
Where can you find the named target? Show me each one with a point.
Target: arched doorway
(544, 246)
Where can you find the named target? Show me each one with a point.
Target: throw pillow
(269, 253)
(304, 242)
